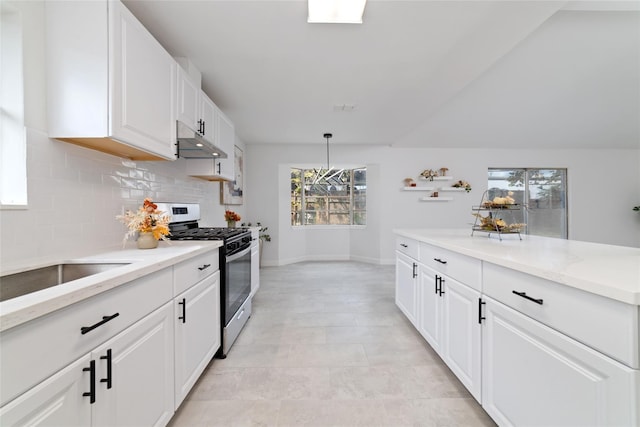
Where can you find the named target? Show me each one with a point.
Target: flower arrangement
(147, 219)
(231, 216)
(429, 174)
(462, 184)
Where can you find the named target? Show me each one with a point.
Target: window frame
(303, 197)
(564, 227)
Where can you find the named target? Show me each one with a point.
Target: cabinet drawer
(606, 325)
(408, 247)
(190, 272)
(463, 268)
(35, 350)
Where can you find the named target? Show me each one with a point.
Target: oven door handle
(240, 254)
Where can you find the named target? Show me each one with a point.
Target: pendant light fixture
(327, 136)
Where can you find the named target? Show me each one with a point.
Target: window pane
(339, 218)
(547, 214)
(542, 193)
(360, 218)
(320, 196)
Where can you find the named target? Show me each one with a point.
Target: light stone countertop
(606, 270)
(16, 311)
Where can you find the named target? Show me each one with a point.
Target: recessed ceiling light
(336, 11)
(198, 145)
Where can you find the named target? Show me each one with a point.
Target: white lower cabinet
(429, 308)
(127, 381)
(448, 321)
(134, 374)
(57, 401)
(406, 286)
(125, 357)
(255, 260)
(462, 347)
(533, 352)
(197, 332)
(536, 376)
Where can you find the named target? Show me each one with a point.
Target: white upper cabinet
(188, 108)
(226, 141)
(224, 137)
(208, 120)
(110, 85)
(195, 108)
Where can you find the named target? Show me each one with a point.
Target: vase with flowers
(148, 222)
(231, 217)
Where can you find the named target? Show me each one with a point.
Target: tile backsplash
(75, 193)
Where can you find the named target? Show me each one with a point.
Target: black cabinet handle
(480, 316)
(436, 284)
(203, 131)
(415, 270)
(219, 168)
(91, 394)
(105, 319)
(183, 303)
(525, 296)
(439, 281)
(107, 380)
(440, 261)
(204, 267)
(403, 245)
(200, 131)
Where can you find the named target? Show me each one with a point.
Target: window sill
(328, 227)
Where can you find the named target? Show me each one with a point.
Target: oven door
(237, 284)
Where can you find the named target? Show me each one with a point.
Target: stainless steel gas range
(235, 265)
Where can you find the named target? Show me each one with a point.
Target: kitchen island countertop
(606, 270)
(16, 311)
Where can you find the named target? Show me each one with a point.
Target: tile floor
(327, 346)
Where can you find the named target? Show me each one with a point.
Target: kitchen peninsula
(541, 331)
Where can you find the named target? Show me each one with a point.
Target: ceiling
(415, 73)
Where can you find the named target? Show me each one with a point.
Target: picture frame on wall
(231, 191)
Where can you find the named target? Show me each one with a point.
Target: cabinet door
(143, 98)
(227, 142)
(188, 107)
(255, 266)
(197, 332)
(135, 374)
(208, 114)
(533, 375)
(406, 289)
(429, 308)
(461, 347)
(57, 401)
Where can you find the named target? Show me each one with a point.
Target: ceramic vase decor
(147, 241)
(231, 224)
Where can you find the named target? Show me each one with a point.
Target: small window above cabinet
(111, 86)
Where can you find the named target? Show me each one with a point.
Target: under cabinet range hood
(191, 145)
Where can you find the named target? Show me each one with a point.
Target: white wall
(75, 193)
(603, 186)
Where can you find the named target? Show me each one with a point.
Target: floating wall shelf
(437, 178)
(435, 199)
(453, 189)
(418, 188)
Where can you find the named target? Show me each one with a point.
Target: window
(328, 197)
(542, 191)
(13, 160)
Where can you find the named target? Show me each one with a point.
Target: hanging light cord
(327, 135)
